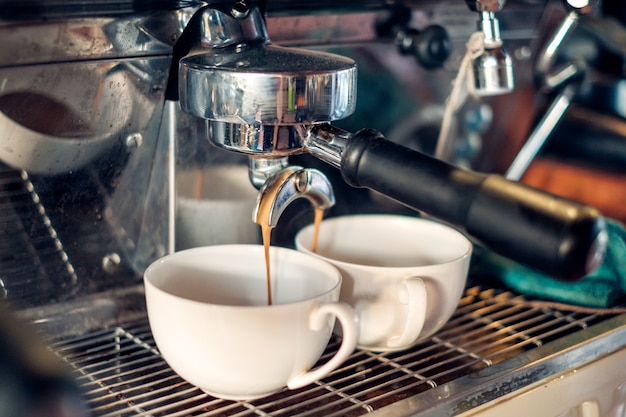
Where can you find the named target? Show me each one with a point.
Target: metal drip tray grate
(122, 373)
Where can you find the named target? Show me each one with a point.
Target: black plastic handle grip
(553, 235)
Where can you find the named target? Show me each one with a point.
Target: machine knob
(431, 46)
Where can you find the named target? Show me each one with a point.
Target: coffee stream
(319, 214)
(263, 219)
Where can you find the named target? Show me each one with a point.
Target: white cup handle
(317, 320)
(412, 292)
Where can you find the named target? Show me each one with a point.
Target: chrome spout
(269, 145)
(288, 185)
(492, 69)
(262, 169)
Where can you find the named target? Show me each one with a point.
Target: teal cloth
(605, 287)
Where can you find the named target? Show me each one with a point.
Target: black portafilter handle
(553, 235)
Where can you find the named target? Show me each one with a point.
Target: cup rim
(320, 263)
(378, 217)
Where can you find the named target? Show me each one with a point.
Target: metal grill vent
(34, 267)
(122, 373)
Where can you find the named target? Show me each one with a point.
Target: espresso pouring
(265, 204)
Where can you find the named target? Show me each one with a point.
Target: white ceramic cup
(209, 315)
(404, 276)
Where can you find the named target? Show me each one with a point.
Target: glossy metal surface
(524, 370)
(541, 133)
(322, 140)
(492, 69)
(46, 40)
(552, 76)
(267, 84)
(228, 25)
(54, 119)
(290, 184)
(234, 74)
(256, 140)
(261, 169)
(493, 72)
(548, 76)
(101, 186)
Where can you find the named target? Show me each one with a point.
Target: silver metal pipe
(325, 142)
(261, 169)
(541, 133)
(492, 70)
(547, 57)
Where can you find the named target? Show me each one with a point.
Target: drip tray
(123, 374)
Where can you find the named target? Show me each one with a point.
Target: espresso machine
(109, 109)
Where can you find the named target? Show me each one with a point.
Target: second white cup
(404, 276)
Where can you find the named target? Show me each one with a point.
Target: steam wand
(566, 79)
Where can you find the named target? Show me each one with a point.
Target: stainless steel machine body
(92, 147)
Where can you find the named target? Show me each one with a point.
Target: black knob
(431, 46)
